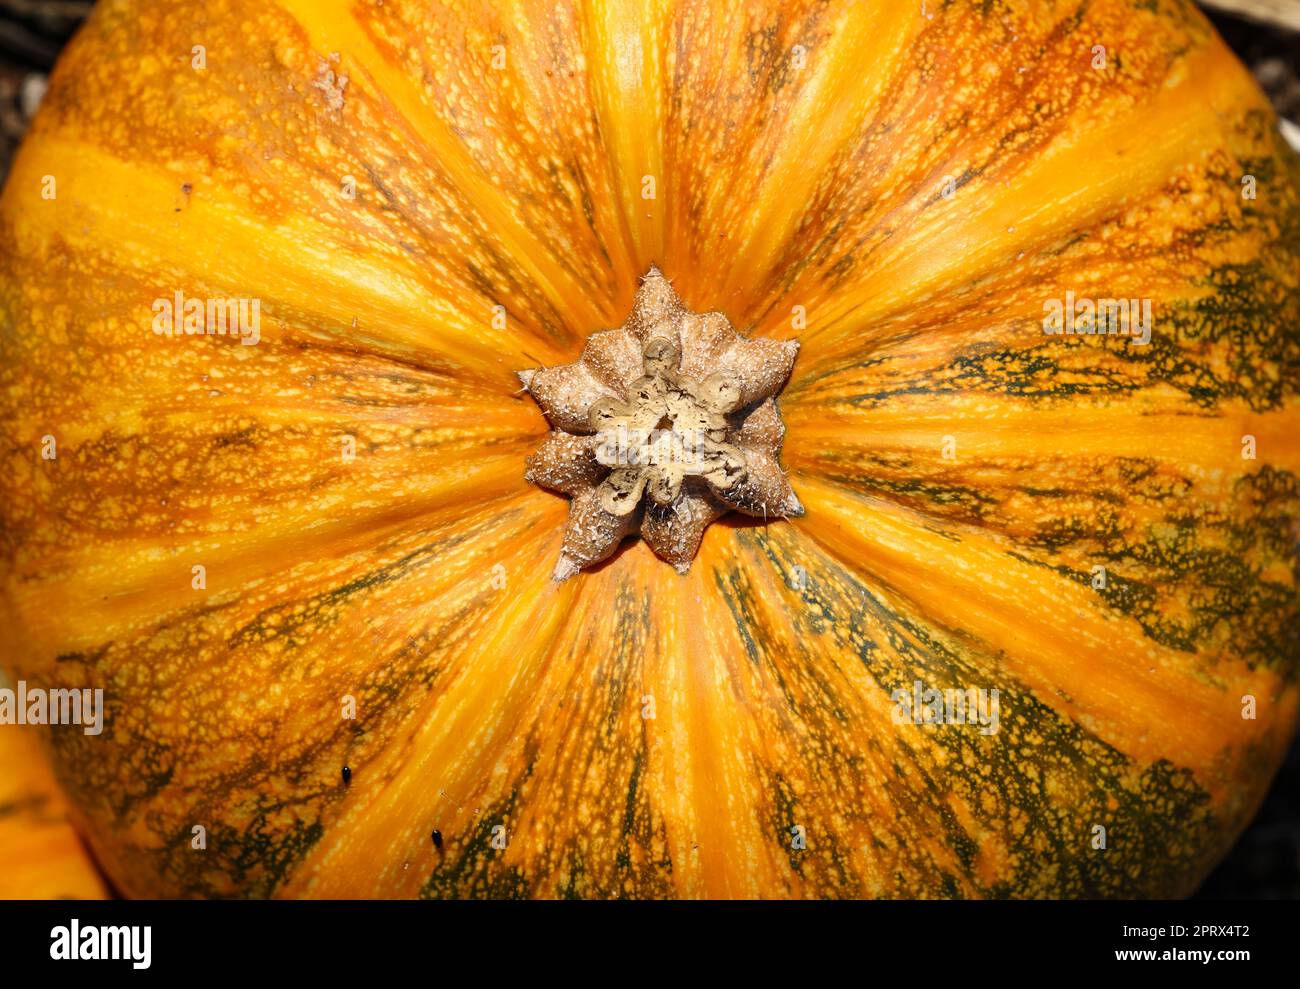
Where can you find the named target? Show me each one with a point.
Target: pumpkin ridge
(460, 753)
(621, 39)
(389, 300)
(843, 606)
(1163, 677)
(527, 264)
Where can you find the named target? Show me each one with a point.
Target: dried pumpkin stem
(661, 426)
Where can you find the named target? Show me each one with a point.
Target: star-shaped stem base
(660, 427)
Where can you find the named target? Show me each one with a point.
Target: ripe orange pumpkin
(237, 541)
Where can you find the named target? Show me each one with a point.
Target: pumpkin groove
(414, 577)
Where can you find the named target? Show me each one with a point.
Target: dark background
(1265, 863)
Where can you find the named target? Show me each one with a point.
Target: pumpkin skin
(41, 857)
(414, 578)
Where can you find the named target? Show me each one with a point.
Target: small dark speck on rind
(347, 775)
(437, 839)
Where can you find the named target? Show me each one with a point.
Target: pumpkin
(41, 856)
(295, 546)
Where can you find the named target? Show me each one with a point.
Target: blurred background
(1265, 34)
